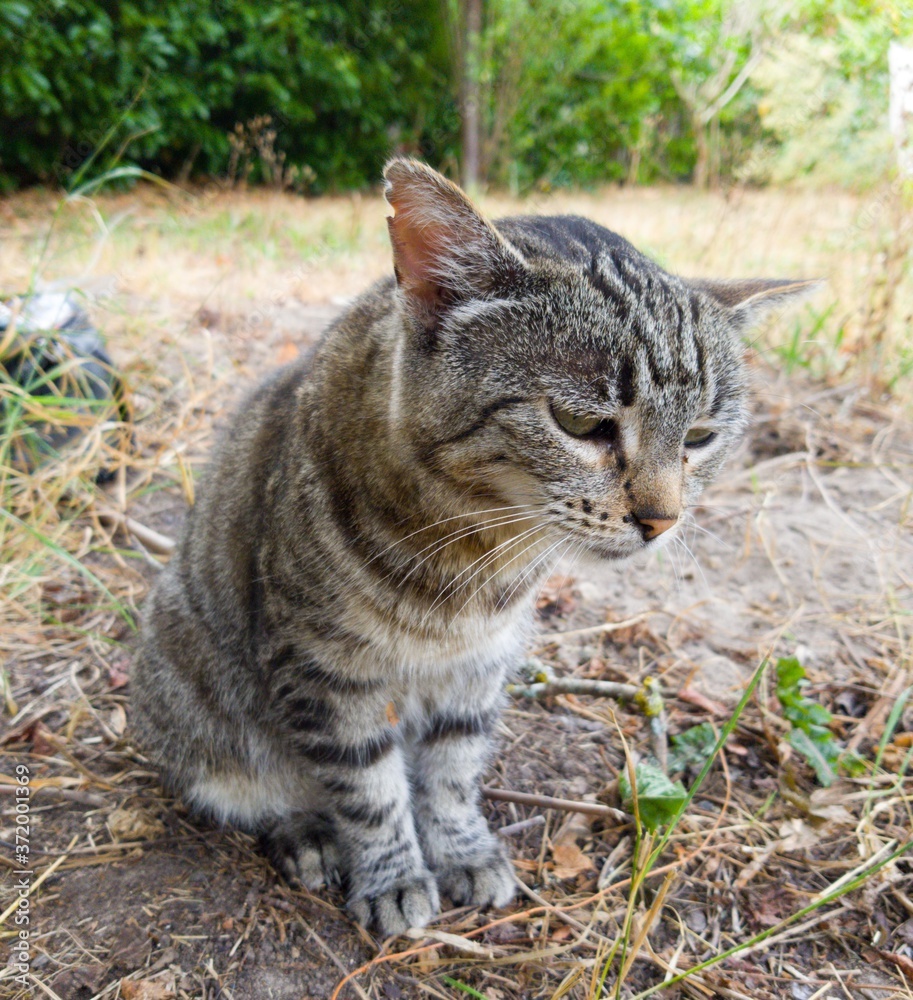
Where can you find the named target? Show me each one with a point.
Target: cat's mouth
(614, 549)
(619, 548)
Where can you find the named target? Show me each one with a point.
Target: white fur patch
(248, 799)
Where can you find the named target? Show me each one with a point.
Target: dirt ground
(804, 547)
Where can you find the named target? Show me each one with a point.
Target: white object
(900, 112)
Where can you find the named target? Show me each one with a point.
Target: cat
(322, 661)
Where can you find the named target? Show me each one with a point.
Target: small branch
(574, 685)
(160, 544)
(596, 629)
(716, 106)
(547, 802)
(648, 698)
(525, 824)
(62, 795)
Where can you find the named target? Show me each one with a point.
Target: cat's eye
(595, 428)
(698, 436)
(574, 423)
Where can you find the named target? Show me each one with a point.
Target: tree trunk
(471, 96)
(702, 164)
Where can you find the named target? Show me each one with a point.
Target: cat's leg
(448, 755)
(345, 742)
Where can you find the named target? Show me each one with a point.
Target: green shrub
(340, 81)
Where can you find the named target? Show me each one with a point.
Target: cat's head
(548, 363)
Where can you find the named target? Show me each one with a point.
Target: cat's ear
(751, 299)
(444, 251)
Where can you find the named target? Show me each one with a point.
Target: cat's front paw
(304, 853)
(411, 901)
(486, 879)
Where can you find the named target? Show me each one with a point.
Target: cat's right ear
(445, 252)
(750, 299)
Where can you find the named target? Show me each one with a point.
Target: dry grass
(153, 259)
(197, 293)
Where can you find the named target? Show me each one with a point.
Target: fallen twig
(524, 824)
(548, 802)
(596, 629)
(151, 539)
(63, 795)
(574, 685)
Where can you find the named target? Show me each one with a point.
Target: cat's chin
(607, 552)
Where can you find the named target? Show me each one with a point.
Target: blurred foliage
(341, 82)
(574, 91)
(810, 726)
(821, 94)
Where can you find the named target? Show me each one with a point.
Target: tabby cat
(322, 661)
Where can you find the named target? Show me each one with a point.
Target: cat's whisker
(706, 531)
(465, 584)
(460, 535)
(527, 573)
(580, 546)
(485, 559)
(488, 556)
(455, 517)
(687, 549)
(671, 551)
(488, 581)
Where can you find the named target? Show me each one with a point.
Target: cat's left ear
(751, 299)
(444, 251)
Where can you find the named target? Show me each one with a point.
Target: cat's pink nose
(656, 525)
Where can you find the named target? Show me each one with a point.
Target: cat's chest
(462, 648)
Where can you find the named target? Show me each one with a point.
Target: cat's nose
(655, 526)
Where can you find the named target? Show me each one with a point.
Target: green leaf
(463, 988)
(692, 747)
(658, 798)
(810, 734)
(817, 753)
(789, 673)
(849, 762)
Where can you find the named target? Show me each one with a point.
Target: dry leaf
(117, 721)
(134, 824)
(577, 826)
(557, 596)
(43, 742)
(827, 804)
(901, 961)
(34, 732)
(797, 835)
(118, 674)
(694, 697)
(637, 633)
(569, 861)
(287, 352)
(144, 989)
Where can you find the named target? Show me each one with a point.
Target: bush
(340, 81)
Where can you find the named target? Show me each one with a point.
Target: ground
(803, 547)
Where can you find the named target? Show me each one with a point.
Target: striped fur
(322, 660)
